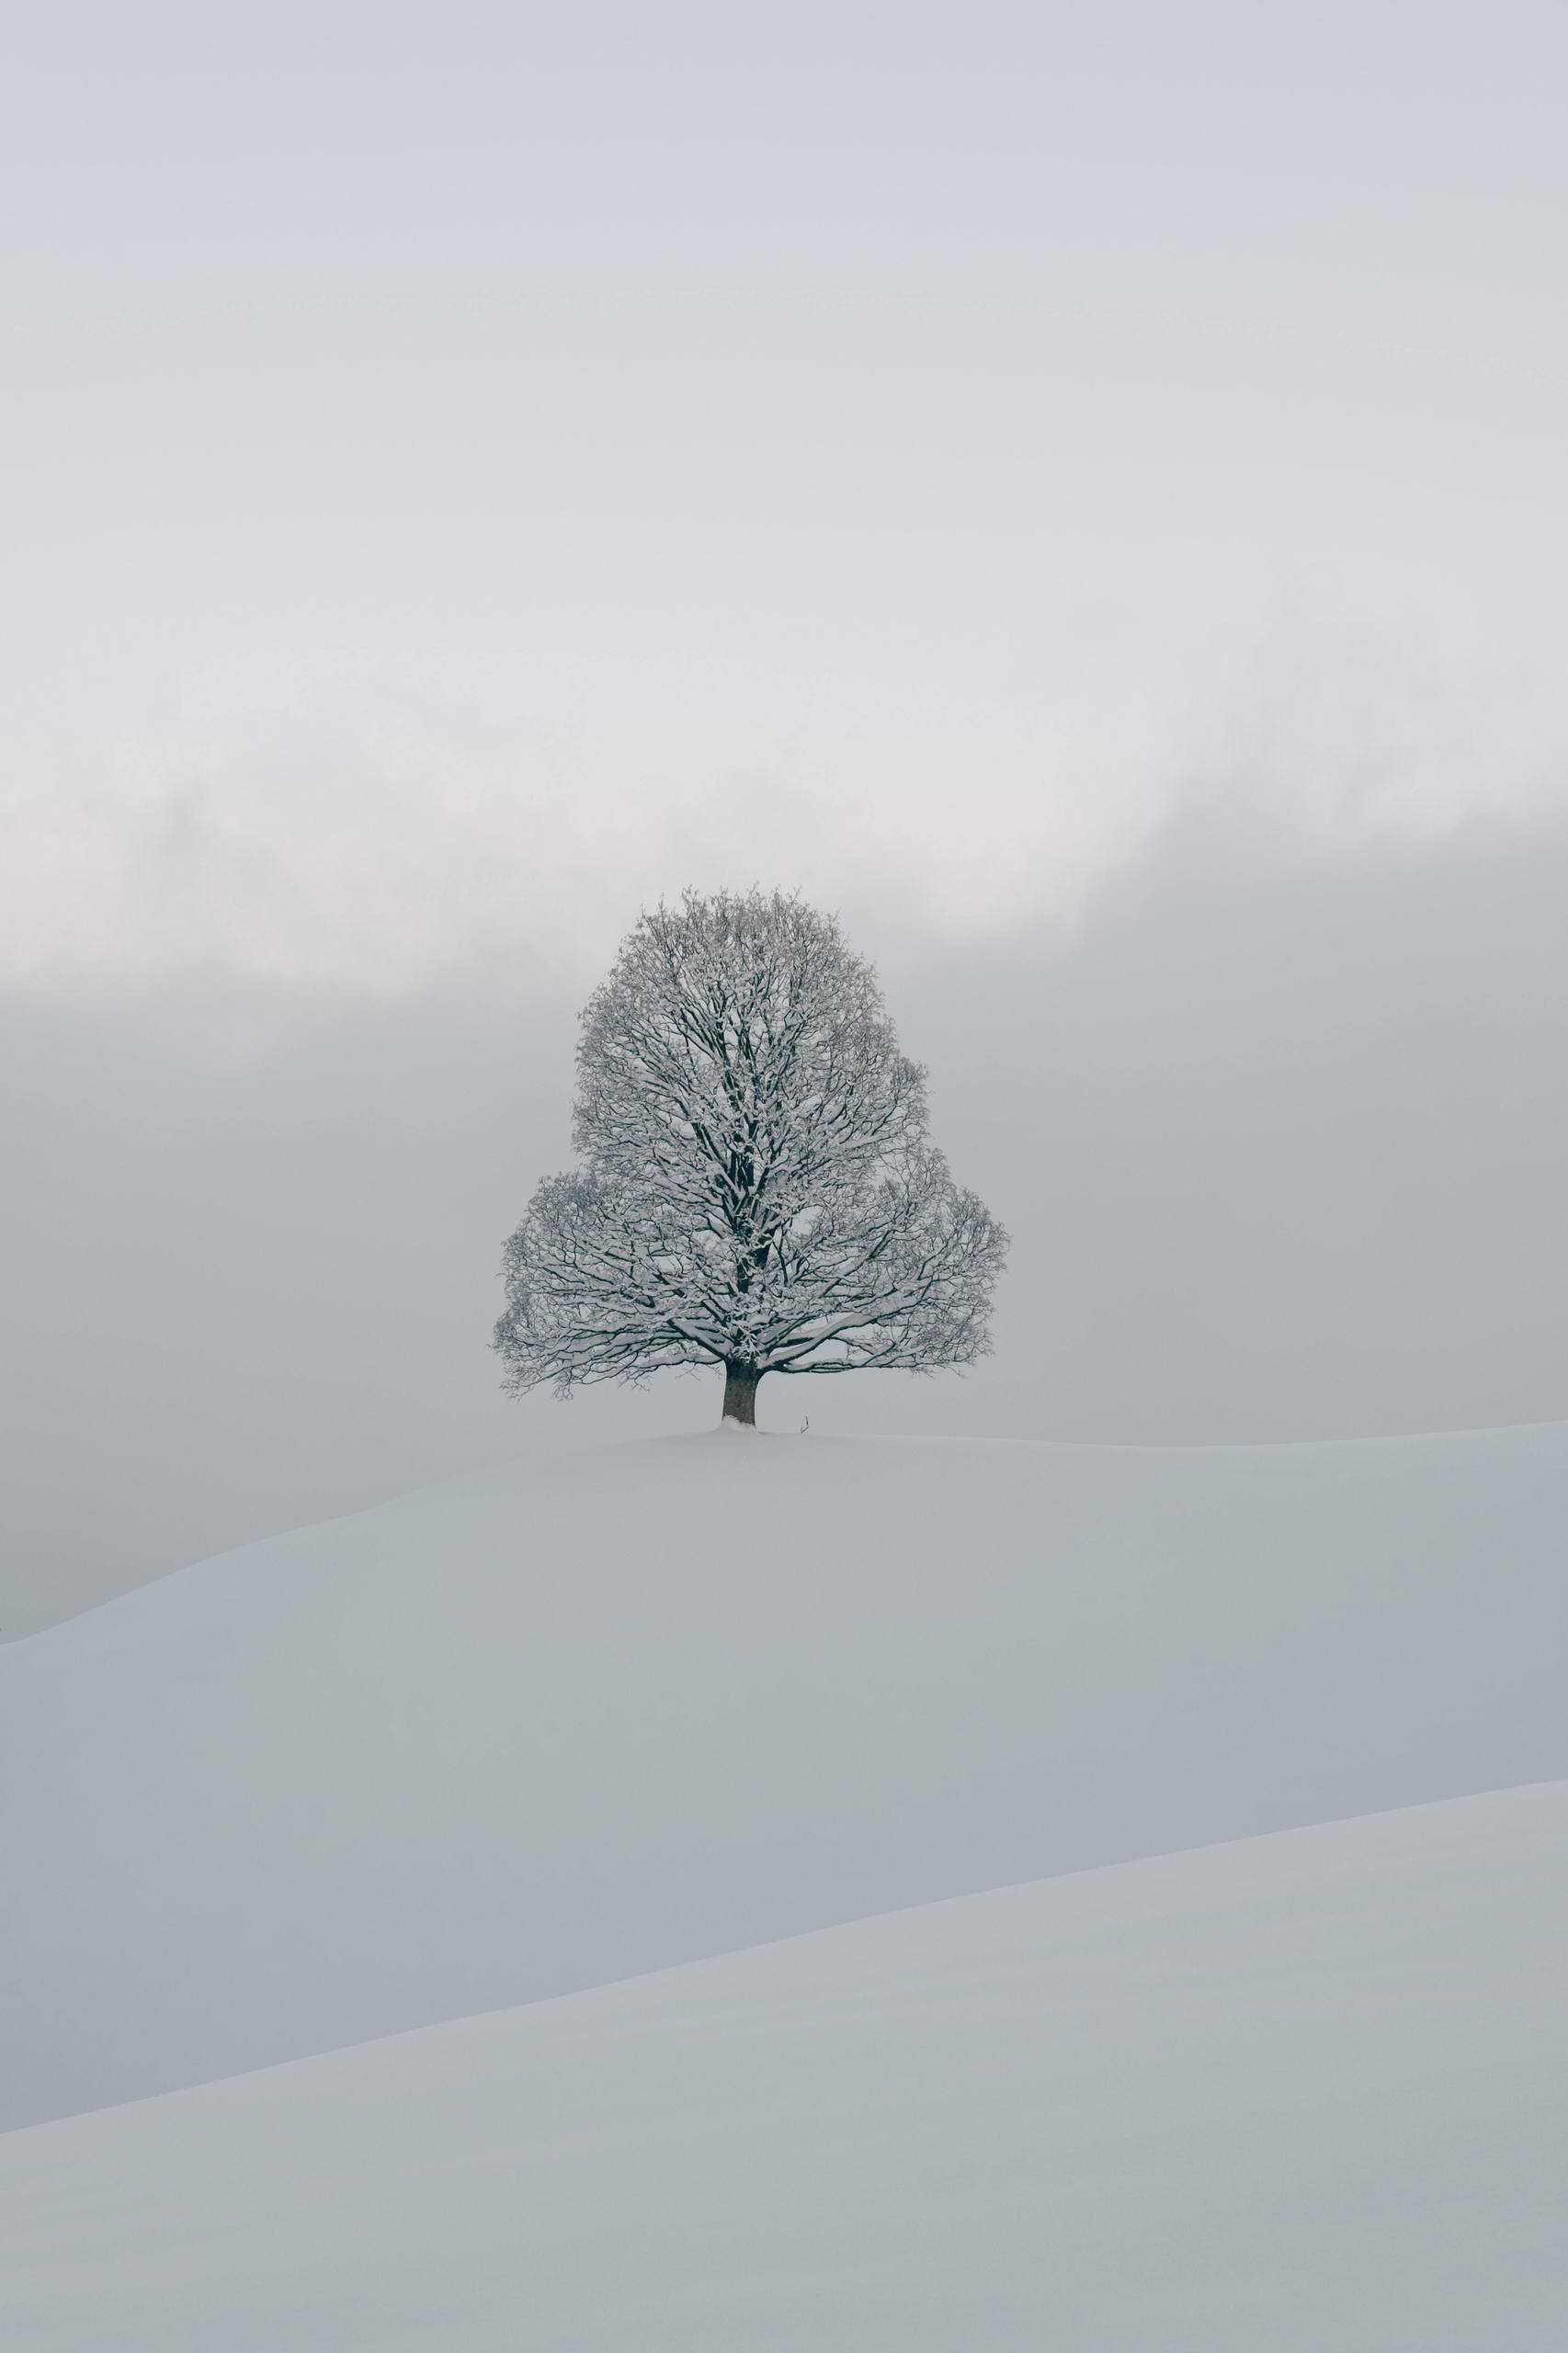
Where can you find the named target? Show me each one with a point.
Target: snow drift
(532, 1733)
(1306, 2091)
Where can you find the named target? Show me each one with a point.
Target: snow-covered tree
(757, 1189)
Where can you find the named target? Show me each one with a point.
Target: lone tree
(757, 1189)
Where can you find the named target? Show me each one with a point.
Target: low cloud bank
(1280, 1137)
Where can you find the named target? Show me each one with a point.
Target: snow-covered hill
(1304, 2092)
(532, 1733)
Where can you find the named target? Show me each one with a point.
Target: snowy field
(1304, 2092)
(494, 1753)
(514, 1736)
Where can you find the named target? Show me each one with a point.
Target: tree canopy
(756, 1187)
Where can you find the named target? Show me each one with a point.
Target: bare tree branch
(757, 1189)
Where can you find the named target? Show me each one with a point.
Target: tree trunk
(740, 1394)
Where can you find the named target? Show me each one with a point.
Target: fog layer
(1281, 1139)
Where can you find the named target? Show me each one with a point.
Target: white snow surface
(1300, 2092)
(575, 1721)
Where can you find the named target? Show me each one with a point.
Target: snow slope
(1306, 2091)
(521, 1734)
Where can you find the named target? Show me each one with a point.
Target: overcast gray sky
(1079, 490)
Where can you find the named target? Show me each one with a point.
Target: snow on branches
(757, 1188)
